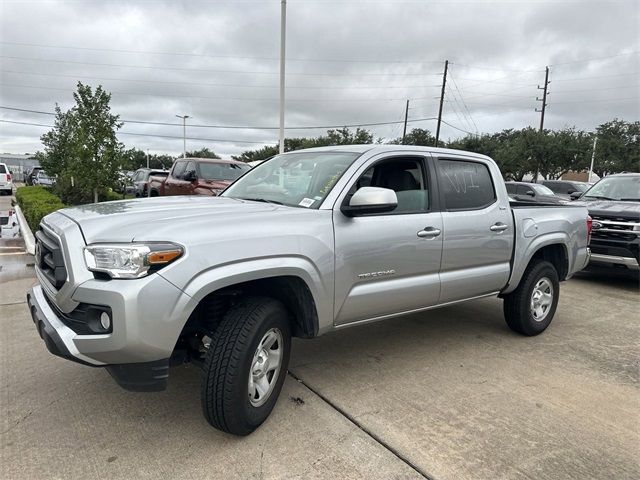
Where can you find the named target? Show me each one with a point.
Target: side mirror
(531, 193)
(368, 200)
(190, 176)
(575, 195)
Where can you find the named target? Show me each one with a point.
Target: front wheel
(246, 365)
(530, 308)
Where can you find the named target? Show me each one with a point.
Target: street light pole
(184, 134)
(283, 32)
(593, 157)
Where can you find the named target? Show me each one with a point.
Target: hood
(162, 218)
(611, 208)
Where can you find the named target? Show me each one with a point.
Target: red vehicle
(197, 176)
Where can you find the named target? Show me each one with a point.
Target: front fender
(227, 275)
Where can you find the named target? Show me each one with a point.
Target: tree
(82, 149)
(136, 158)
(618, 148)
(342, 136)
(417, 136)
(202, 153)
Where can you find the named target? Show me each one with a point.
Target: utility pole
(544, 98)
(184, 134)
(593, 157)
(542, 112)
(147, 158)
(406, 118)
(444, 84)
(283, 33)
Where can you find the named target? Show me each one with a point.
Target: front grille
(614, 228)
(49, 259)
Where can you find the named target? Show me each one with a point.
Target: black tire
(228, 363)
(517, 304)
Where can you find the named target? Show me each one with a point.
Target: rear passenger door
(477, 229)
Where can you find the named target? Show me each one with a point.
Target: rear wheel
(246, 365)
(530, 308)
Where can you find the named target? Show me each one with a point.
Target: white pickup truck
(304, 243)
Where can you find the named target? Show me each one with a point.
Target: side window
(189, 169)
(178, 169)
(406, 177)
(465, 185)
(511, 188)
(523, 189)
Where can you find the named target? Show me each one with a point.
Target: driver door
(389, 263)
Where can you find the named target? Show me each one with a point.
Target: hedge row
(36, 202)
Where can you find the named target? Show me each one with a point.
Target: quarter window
(465, 185)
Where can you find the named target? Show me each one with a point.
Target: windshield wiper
(597, 197)
(262, 200)
(630, 199)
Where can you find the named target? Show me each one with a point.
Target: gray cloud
(348, 62)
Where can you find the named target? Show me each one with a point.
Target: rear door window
(3, 169)
(465, 185)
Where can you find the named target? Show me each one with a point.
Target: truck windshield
(616, 188)
(294, 179)
(222, 171)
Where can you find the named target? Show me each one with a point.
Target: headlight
(127, 260)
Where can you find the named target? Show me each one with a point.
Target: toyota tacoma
(305, 243)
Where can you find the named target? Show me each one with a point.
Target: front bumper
(628, 262)
(136, 353)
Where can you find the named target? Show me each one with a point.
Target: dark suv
(564, 188)
(614, 206)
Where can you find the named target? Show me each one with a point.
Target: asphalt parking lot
(452, 394)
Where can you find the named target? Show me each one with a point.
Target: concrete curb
(27, 234)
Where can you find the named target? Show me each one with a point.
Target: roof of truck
(383, 148)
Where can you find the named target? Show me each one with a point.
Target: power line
(234, 85)
(245, 127)
(475, 127)
(206, 70)
(206, 55)
(145, 134)
(252, 99)
(595, 58)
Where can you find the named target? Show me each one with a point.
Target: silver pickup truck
(305, 243)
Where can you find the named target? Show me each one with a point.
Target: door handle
(498, 227)
(429, 232)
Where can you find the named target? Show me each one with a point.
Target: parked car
(309, 242)
(31, 175)
(125, 182)
(9, 227)
(614, 205)
(564, 188)
(140, 180)
(6, 183)
(43, 180)
(532, 192)
(198, 176)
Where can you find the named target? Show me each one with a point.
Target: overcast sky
(348, 62)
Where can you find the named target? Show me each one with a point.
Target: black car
(31, 175)
(614, 206)
(532, 192)
(564, 188)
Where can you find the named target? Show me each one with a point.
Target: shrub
(36, 202)
(110, 195)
